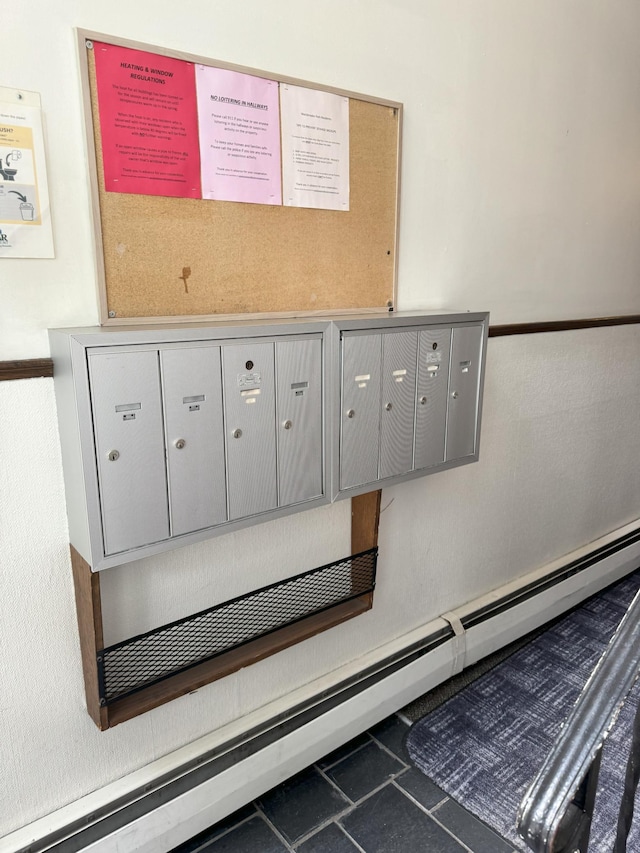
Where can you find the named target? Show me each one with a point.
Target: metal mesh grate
(134, 664)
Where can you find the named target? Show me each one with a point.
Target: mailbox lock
(455, 395)
(179, 443)
(287, 424)
(236, 433)
(434, 345)
(388, 407)
(423, 401)
(113, 455)
(351, 413)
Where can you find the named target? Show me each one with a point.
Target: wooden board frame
(365, 519)
(287, 275)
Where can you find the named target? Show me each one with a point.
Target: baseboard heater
(164, 804)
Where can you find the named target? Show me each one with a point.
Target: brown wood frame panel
(562, 325)
(89, 612)
(29, 368)
(232, 661)
(365, 520)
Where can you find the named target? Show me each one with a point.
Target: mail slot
(299, 419)
(250, 431)
(431, 397)
(192, 390)
(464, 388)
(129, 450)
(398, 403)
(360, 409)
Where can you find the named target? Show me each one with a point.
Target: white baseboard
(183, 816)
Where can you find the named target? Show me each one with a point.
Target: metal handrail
(555, 813)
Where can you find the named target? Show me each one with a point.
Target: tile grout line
(335, 785)
(334, 818)
(430, 814)
(274, 829)
(350, 804)
(313, 832)
(391, 778)
(322, 826)
(486, 826)
(344, 757)
(338, 816)
(433, 808)
(387, 749)
(351, 839)
(202, 847)
(341, 813)
(372, 739)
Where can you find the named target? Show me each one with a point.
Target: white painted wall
(520, 195)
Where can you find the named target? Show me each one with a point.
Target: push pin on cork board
(186, 272)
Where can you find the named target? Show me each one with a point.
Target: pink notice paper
(239, 136)
(148, 122)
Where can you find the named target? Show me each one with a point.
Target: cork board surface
(252, 258)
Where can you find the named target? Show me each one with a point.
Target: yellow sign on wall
(25, 222)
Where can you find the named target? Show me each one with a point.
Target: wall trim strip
(32, 368)
(29, 368)
(562, 325)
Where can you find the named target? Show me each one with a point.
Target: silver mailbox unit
(172, 434)
(410, 397)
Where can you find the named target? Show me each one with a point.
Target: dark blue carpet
(485, 745)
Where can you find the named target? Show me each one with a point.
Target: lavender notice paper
(239, 128)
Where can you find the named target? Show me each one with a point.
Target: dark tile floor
(363, 797)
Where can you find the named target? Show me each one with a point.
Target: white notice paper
(25, 217)
(315, 148)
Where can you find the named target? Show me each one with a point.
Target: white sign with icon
(25, 217)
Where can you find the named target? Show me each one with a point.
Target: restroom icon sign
(9, 171)
(27, 210)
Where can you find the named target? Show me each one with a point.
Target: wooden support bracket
(365, 520)
(364, 535)
(89, 610)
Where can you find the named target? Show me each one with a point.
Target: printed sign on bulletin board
(175, 128)
(315, 148)
(149, 122)
(238, 116)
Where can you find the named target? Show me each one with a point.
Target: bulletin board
(248, 258)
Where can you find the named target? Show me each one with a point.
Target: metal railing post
(556, 811)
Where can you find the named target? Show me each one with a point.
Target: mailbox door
(127, 419)
(249, 405)
(192, 387)
(399, 353)
(464, 379)
(299, 416)
(434, 350)
(360, 409)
